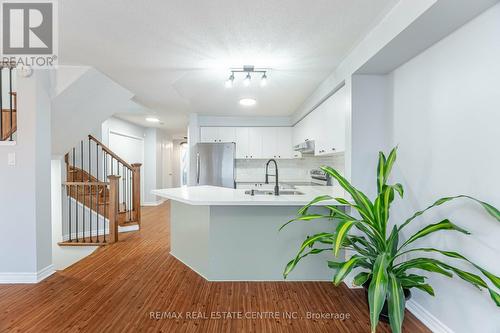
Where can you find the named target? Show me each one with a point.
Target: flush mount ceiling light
(248, 101)
(153, 120)
(247, 69)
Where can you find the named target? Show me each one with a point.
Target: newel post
(113, 208)
(136, 191)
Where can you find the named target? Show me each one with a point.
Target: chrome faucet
(276, 186)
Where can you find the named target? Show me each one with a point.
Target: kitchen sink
(271, 192)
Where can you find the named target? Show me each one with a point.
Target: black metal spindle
(11, 111)
(82, 167)
(76, 209)
(90, 193)
(97, 191)
(111, 164)
(68, 189)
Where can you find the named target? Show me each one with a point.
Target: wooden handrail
(110, 152)
(86, 183)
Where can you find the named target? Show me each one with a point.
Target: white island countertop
(221, 196)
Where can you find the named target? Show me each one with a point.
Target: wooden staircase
(102, 191)
(8, 111)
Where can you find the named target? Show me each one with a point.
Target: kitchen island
(228, 235)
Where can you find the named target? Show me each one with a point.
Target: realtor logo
(28, 33)
(27, 28)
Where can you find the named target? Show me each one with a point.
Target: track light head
(230, 81)
(263, 80)
(246, 81)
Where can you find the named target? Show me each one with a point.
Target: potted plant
(379, 252)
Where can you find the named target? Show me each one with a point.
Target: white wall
(446, 120)
(25, 240)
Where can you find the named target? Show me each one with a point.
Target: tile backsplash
(289, 170)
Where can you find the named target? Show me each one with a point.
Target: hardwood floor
(121, 287)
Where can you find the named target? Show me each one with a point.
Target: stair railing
(101, 188)
(8, 116)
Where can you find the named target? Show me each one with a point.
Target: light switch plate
(11, 159)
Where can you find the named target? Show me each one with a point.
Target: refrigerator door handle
(198, 168)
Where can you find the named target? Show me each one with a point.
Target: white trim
(45, 273)
(434, 324)
(153, 203)
(24, 277)
(8, 143)
(128, 228)
(110, 131)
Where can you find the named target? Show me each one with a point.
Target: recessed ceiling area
(175, 56)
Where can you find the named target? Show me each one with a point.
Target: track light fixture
(230, 81)
(248, 70)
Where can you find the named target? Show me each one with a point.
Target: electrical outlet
(11, 159)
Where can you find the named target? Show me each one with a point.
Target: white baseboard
(128, 228)
(23, 277)
(434, 324)
(153, 203)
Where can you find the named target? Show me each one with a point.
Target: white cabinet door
(209, 134)
(227, 134)
(283, 138)
(242, 143)
(269, 142)
(255, 142)
(339, 121)
(305, 129)
(332, 138)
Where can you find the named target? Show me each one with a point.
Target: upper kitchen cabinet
(217, 134)
(332, 113)
(253, 142)
(242, 142)
(325, 125)
(277, 142)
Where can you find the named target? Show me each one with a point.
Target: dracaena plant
(379, 252)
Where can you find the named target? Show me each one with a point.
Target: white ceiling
(175, 55)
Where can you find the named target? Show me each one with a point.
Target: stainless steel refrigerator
(215, 164)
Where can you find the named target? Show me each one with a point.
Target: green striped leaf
(303, 210)
(361, 278)
(365, 207)
(467, 276)
(399, 188)
(495, 213)
(408, 281)
(292, 263)
(309, 242)
(341, 232)
(389, 163)
(380, 171)
(345, 268)
(309, 217)
(339, 213)
(396, 303)
(393, 241)
(495, 297)
(377, 290)
(425, 288)
(426, 264)
(443, 225)
(494, 279)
